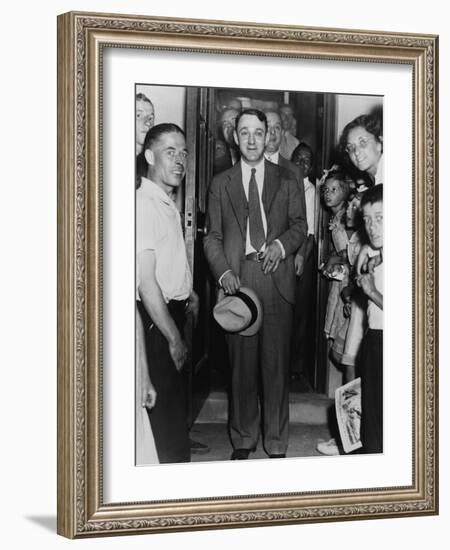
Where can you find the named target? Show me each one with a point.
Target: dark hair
(157, 131)
(141, 168)
(300, 146)
(372, 195)
(152, 135)
(371, 123)
(255, 112)
(142, 97)
(304, 146)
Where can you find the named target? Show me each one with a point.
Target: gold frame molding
(81, 37)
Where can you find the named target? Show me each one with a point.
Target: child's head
(372, 212)
(352, 214)
(302, 156)
(335, 190)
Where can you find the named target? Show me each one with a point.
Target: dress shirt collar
(153, 191)
(247, 171)
(273, 157)
(308, 185)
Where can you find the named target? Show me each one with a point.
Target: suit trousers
(372, 392)
(302, 345)
(169, 417)
(260, 368)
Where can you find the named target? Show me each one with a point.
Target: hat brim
(254, 327)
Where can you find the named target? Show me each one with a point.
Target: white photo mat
(124, 482)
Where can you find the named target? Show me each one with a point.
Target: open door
(199, 111)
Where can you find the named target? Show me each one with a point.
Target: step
(304, 408)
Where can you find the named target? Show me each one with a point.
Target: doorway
(314, 115)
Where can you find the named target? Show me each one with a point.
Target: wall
(169, 103)
(349, 107)
(28, 275)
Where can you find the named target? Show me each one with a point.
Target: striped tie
(257, 235)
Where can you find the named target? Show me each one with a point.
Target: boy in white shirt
(370, 279)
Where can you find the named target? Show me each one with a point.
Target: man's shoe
(277, 455)
(198, 448)
(240, 454)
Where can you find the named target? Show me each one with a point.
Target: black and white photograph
(259, 273)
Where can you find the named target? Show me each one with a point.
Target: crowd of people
(259, 244)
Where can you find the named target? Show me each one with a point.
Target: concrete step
(304, 408)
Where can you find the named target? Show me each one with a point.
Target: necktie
(257, 235)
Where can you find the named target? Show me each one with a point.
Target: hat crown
(239, 313)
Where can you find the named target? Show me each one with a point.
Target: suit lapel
(238, 200)
(271, 185)
(282, 161)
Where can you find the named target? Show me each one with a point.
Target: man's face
(145, 119)
(251, 137)
(274, 130)
(228, 124)
(286, 115)
(373, 222)
(167, 160)
(303, 158)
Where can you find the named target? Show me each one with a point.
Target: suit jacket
(284, 205)
(296, 170)
(223, 157)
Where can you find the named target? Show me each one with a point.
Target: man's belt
(254, 256)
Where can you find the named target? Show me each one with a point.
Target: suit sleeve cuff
(283, 252)
(222, 276)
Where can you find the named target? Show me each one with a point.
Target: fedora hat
(239, 313)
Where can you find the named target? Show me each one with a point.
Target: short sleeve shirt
(158, 228)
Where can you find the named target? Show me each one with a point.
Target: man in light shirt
(370, 279)
(164, 286)
(301, 355)
(256, 222)
(288, 140)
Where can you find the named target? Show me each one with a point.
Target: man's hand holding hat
(230, 282)
(240, 313)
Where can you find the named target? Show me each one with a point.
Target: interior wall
(349, 107)
(169, 103)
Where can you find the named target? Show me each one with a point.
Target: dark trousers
(168, 418)
(372, 391)
(302, 333)
(262, 358)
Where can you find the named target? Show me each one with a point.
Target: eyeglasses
(362, 144)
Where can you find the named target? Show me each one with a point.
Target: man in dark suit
(256, 222)
(226, 153)
(272, 149)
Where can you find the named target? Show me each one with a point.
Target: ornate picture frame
(82, 39)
